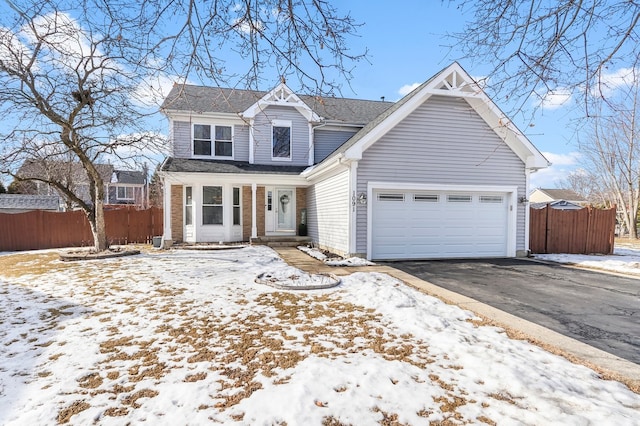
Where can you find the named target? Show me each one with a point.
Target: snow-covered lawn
(188, 337)
(623, 260)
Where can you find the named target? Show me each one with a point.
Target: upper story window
(222, 141)
(281, 140)
(124, 193)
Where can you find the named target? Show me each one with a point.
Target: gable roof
(131, 177)
(33, 169)
(202, 99)
(562, 194)
(558, 204)
(29, 202)
(450, 81)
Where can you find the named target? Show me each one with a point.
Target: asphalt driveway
(601, 310)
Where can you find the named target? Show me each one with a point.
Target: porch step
(281, 241)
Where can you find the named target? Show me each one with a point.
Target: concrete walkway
(610, 366)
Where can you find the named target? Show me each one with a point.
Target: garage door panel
(474, 225)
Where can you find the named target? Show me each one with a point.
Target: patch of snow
(624, 260)
(316, 254)
(351, 261)
(294, 278)
(187, 337)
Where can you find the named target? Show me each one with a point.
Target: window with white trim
(188, 205)
(221, 137)
(427, 198)
(236, 206)
(212, 205)
(459, 198)
(390, 197)
(281, 140)
(124, 193)
(491, 199)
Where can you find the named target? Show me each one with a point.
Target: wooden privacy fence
(41, 229)
(582, 231)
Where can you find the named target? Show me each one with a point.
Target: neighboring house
(20, 203)
(557, 197)
(122, 187)
(441, 173)
(128, 187)
(560, 205)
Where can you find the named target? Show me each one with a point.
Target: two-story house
(440, 173)
(121, 187)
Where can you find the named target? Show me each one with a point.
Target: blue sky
(407, 44)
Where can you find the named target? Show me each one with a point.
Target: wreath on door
(284, 200)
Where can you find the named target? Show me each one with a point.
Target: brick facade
(176, 213)
(301, 203)
(246, 211)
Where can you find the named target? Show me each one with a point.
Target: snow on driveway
(188, 337)
(623, 260)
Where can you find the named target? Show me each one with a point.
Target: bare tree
(303, 39)
(72, 73)
(539, 47)
(66, 97)
(612, 149)
(589, 186)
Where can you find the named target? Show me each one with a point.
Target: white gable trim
(281, 96)
(454, 81)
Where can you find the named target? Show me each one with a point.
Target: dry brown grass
(76, 407)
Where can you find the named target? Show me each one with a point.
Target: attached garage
(431, 224)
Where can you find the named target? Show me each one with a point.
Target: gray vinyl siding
(182, 142)
(327, 141)
(181, 139)
(241, 143)
(442, 142)
(328, 212)
(299, 132)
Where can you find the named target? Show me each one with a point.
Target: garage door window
(491, 199)
(459, 198)
(391, 197)
(426, 198)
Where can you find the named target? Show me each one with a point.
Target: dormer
(281, 96)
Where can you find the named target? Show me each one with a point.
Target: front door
(280, 215)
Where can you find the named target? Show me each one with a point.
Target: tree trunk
(96, 216)
(98, 229)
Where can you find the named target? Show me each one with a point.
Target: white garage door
(431, 225)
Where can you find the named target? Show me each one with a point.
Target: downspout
(527, 213)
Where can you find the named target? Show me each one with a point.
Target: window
(124, 193)
(491, 199)
(426, 198)
(212, 205)
(223, 140)
(281, 141)
(459, 198)
(201, 139)
(236, 206)
(390, 197)
(188, 206)
(269, 201)
(224, 144)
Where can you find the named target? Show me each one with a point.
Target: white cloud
(407, 88)
(552, 176)
(154, 89)
(609, 82)
(554, 99)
